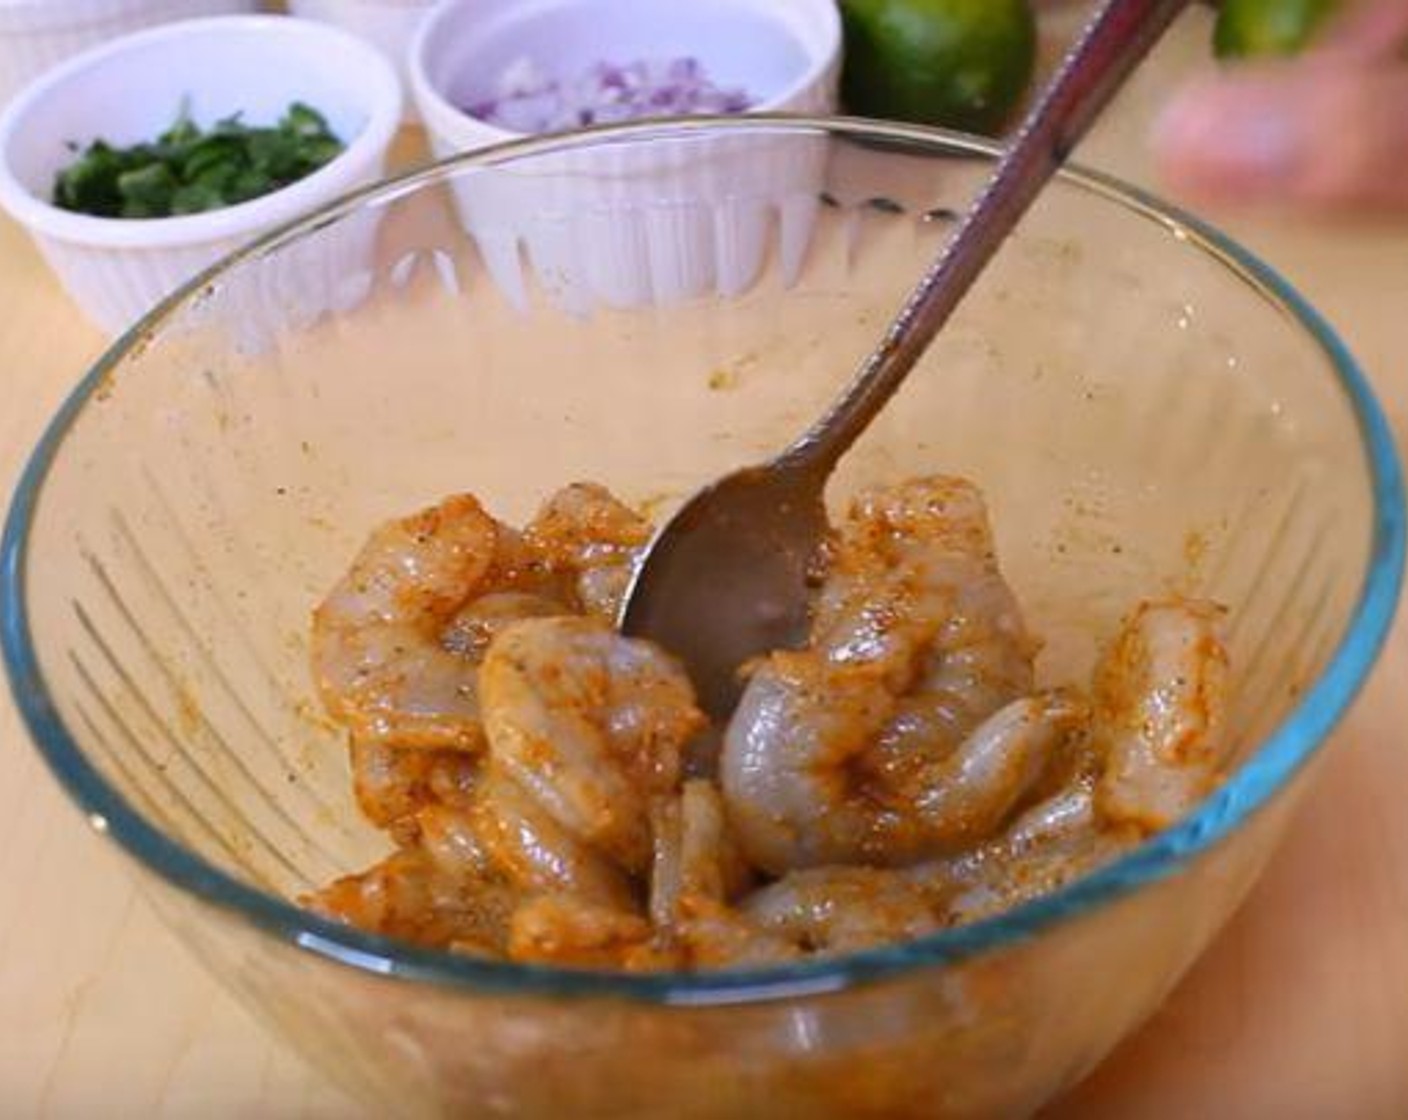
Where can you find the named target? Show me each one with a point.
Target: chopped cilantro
(187, 170)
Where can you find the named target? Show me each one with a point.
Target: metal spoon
(726, 579)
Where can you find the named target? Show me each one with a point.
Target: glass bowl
(1147, 407)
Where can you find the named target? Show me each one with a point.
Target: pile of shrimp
(541, 777)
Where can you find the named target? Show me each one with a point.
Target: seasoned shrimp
(912, 587)
(553, 929)
(584, 530)
(478, 623)
(590, 726)
(547, 783)
(1001, 877)
(1066, 814)
(397, 643)
(697, 866)
(850, 750)
(719, 936)
(842, 909)
(377, 655)
(1052, 842)
(829, 800)
(408, 895)
(528, 846)
(1160, 697)
(448, 837)
(392, 784)
(1046, 845)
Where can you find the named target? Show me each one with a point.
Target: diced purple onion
(528, 100)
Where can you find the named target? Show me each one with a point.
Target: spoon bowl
(728, 578)
(724, 576)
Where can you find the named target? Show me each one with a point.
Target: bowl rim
(378, 88)
(1262, 775)
(464, 127)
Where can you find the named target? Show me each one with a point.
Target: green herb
(188, 170)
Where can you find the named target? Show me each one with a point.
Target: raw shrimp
(817, 911)
(824, 801)
(479, 622)
(1160, 695)
(859, 748)
(448, 837)
(377, 654)
(841, 909)
(553, 929)
(720, 937)
(397, 643)
(697, 866)
(408, 895)
(912, 586)
(537, 853)
(898, 775)
(696, 872)
(590, 726)
(1152, 752)
(697, 875)
(392, 784)
(1063, 815)
(1000, 877)
(1042, 848)
(584, 530)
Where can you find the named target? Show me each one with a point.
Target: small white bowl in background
(388, 25)
(36, 34)
(132, 89)
(678, 219)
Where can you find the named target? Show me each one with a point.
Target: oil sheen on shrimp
(590, 727)
(697, 866)
(397, 643)
(1160, 698)
(880, 742)
(1050, 843)
(393, 784)
(409, 895)
(842, 909)
(583, 529)
(377, 654)
(898, 775)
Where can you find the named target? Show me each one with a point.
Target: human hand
(1325, 131)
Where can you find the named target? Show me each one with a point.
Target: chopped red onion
(529, 100)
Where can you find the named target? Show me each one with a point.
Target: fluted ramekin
(132, 89)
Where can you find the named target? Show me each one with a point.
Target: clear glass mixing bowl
(1147, 407)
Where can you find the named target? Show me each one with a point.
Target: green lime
(1249, 28)
(960, 63)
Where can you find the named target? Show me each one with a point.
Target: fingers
(1316, 134)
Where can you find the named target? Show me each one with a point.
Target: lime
(1248, 28)
(960, 63)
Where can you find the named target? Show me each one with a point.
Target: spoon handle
(1113, 43)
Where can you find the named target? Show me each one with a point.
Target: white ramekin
(36, 34)
(388, 25)
(131, 90)
(678, 220)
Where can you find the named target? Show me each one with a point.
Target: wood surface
(1299, 1010)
